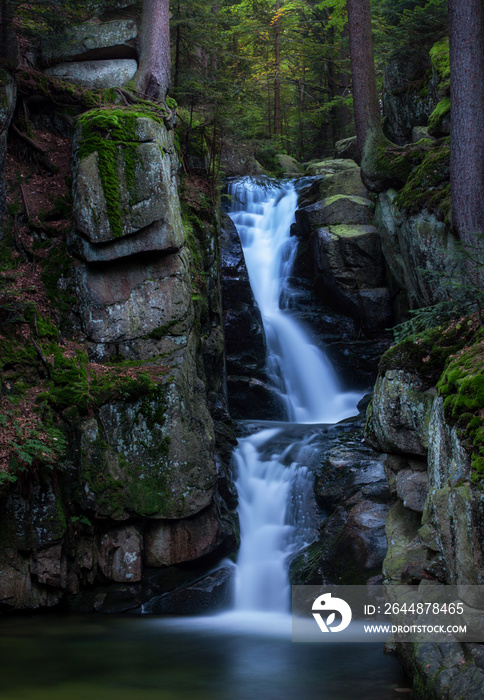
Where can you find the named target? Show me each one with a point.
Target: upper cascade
(309, 388)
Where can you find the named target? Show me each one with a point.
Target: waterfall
(307, 384)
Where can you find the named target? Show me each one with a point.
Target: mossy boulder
(347, 182)
(406, 557)
(349, 272)
(337, 209)
(408, 96)
(124, 183)
(329, 166)
(289, 165)
(413, 241)
(153, 457)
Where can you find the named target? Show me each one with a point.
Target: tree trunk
(466, 19)
(277, 77)
(365, 100)
(177, 48)
(153, 75)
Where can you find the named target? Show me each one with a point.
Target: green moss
(452, 359)
(439, 55)
(111, 133)
(161, 331)
(428, 186)
(437, 116)
(462, 388)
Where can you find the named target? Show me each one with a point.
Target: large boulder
(92, 41)
(338, 209)
(177, 541)
(349, 272)
(96, 74)
(125, 184)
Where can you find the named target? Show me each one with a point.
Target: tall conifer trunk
(277, 77)
(466, 18)
(365, 99)
(153, 75)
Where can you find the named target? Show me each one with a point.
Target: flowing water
(307, 385)
(245, 653)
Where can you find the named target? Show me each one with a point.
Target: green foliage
(35, 448)
(409, 26)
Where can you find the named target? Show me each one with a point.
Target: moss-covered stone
(428, 186)
(439, 55)
(440, 113)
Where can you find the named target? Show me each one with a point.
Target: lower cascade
(270, 479)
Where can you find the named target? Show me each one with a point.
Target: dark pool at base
(97, 658)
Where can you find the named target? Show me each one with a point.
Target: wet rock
(174, 542)
(349, 271)
(119, 554)
(92, 41)
(210, 594)
(365, 530)
(338, 209)
(244, 335)
(96, 74)
(49, 566)
(253, 398)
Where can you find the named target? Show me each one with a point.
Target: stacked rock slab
(146, 464)
(93, 54)
(348, 266)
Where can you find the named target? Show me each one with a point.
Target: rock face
(345, 251)
(411, 243)
(406, 104)
(435, 530)
(149, 487)
(352, 492)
